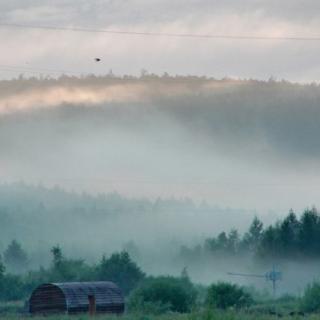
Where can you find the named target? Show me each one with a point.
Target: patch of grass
(204, 315)
(13, 308)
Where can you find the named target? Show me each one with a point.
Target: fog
(243, 144)
(93, 226)
(89, 226)
(154, 161)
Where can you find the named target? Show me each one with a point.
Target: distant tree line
(290, 238)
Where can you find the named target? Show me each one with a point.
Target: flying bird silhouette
(97, 59)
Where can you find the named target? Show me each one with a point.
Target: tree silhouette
(57, 256)
(2, 269)
(15, 258)
(309, 235)
(288, 234)
(253, 236)
(120, 269)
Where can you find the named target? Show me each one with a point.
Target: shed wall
(47, 298)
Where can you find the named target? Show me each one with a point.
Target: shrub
(311, 298)
(225, 295)
(11, 288)
(161, 294)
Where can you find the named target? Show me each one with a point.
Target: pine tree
(253, 237)
(268, 248)
(233, 241)
(309, 232)
(288, 234)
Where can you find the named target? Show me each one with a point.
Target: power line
(273, 276)
(162, 34)
(27, 69)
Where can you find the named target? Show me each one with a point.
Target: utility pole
(273, 276)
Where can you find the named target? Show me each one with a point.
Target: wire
(246, 275)
(12, 68)
(162, 34)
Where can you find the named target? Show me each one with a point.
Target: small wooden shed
(77, 297)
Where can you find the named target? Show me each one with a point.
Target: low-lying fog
(163, 161)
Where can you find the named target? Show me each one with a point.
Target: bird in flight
(97, 59)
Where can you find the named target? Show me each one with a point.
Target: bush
(162, 294)
(120, 269)
(225, 295)
(11, 288)
(311, 298)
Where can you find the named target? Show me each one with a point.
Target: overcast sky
(25, 50)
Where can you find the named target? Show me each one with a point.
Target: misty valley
(197, 197)
(50, 235)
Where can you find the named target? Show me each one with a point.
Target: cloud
(138, 11)
(58, 95)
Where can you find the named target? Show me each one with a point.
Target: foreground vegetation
(265, 311)
(205, 315)
(162, 296)
(294, 238)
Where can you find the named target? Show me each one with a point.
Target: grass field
(10, 314)
(195, 316)
(14, 311)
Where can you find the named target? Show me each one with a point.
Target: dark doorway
(92, 305)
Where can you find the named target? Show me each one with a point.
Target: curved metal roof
(108, 296)
(76, 293)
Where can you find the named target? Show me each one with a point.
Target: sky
(33, 51)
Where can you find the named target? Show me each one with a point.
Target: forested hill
(233, 142)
